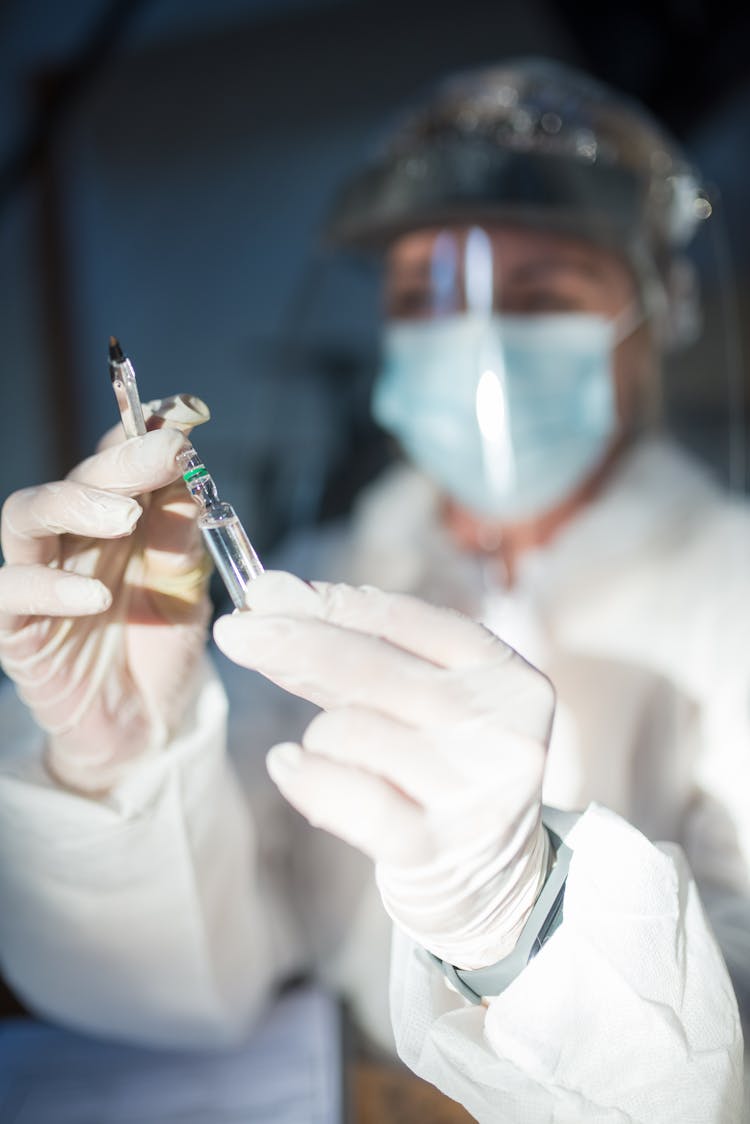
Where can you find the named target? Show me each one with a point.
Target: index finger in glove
(418, 663)
(33, 518)
(442, 636)
(132, 467)
(332, 666)
(39, 590)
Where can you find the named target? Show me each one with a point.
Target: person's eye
(409, 304)
(541, 301)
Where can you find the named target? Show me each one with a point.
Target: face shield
(545, 250)
(499, 375)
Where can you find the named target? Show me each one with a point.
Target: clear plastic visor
(436, 273)
(538, 325)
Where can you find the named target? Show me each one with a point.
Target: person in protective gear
(154, 888)
(534, 231)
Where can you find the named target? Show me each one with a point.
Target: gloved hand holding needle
(103, 605)
(428, 753)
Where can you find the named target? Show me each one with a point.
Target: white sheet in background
(291, 1071)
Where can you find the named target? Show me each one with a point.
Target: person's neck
(505, 542)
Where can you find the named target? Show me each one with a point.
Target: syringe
(226, 538)
(126, 391)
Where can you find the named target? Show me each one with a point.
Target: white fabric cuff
(627, 1012)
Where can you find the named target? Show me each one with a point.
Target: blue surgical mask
(508, 414)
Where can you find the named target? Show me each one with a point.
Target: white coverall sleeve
(626, 1015)
(136, 916)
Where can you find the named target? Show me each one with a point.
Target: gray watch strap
(544, 918)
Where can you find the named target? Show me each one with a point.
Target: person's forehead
(521, 249)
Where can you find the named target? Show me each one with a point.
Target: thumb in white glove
(428, 754)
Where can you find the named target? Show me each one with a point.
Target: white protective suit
(163, 912)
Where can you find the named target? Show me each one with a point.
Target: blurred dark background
(165, 167)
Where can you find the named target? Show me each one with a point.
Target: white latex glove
(428, 754)
(103, 606)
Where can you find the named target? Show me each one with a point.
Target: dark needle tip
(115, 351)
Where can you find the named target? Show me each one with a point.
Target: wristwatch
(476, 983)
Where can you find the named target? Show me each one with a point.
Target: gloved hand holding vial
(103, 598)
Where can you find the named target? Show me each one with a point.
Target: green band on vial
(202, 471)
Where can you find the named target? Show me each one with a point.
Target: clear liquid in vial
(231, 549)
